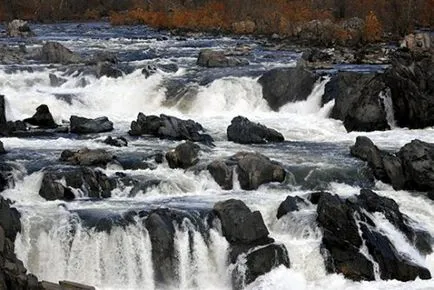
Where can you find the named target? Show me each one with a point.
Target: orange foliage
(373, 29)
(91, 14)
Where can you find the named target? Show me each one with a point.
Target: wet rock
(244, 131)
(54, 52)
(19, 28)
(290, 204)
(239, 223)
(411, 168)
(161, 232)
(211, 58)
(9, 219)
(222, 174)
(42, 118)
(285, 85)
(117, 142)
(58, 184)
(265, 259)
(357, 101)
(169, 127)
(2, 110)
(2, 148)
(343, 220)
(56, 81)
(149, 70)
(81, 125)
(411, 81)
(68, 285)
(108, 69)
(183, 156)
(255, 169)
(87, 157)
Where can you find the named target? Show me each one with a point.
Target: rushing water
(55, 244)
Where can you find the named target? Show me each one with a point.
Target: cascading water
(56, 243)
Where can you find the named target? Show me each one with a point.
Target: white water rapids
(54, 244)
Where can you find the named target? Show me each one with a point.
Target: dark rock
(81, 125)
(343, 220)
(19, 28)
(255, 169)
(87, 157)
(222, 174)
(417, 159)
(392, 265)
(54, 52)
(411, 81)
(183, 156)
(431, 195)
(56, 81)
(265, 259)
(159, 157)
(161, 232)
(168, 127)
(9, 219)
(2, 110)
(68, 285)
(42, 118)
(239, 224)
(290, 204)
(93, 183)
(2, 148)
(211, 58)
(108, 69)
(149, 70)
(284, 85)
(117, 142)
(357, 100)
(243, 131)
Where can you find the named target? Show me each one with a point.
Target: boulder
(346, 227)
(239, 224)
(117, 142)
(290, 204)
(2, 110)
(411, 168)
(42, 118)
(169, 127)
(255, 169)
(9, 219)
(263, 260)
(2, 148)
(54, 52)
(56, 81)
(19, 28)
(411, 82)
(81, 125)
(285, 85)
(418, 42)
(357, 100)
(211, 58)
(244, 131)
(68, 285)
(87, 157)
(58, 184)
(183, 156)
(222, 173)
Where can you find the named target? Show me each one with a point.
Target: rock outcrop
(244, 131)
(183, 156)
(211, 58)
(285, 85)
(87, 157)
(347, 226)
(19, 28)
(54, 52)
(42, 118)
(411, 168)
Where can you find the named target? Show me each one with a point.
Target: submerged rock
(169, 127)
(285, 85)
(81, 125)
(212, 58)
(19, 28)
(244, 131)
(342, 220)
(183, 156)
(117, 142)
(42, 118)
(108, 69)
(290, 204)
